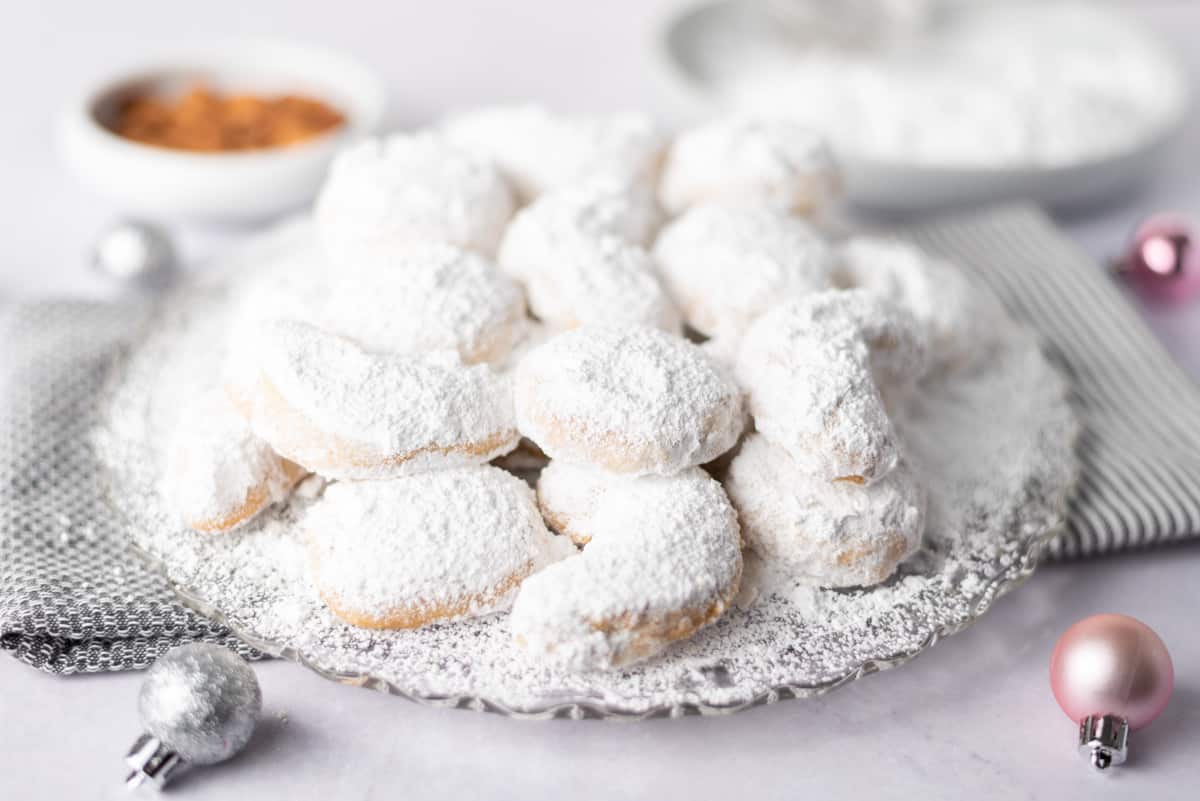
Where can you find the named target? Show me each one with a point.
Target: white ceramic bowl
(219, 187)
(687, 60)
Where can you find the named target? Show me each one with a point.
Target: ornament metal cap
(1104, 740)
(149, 759)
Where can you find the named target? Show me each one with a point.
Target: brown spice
(204, 120)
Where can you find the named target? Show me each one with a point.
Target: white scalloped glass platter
(995, 497)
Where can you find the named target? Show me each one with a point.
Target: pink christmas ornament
(1163, 260)
(1110, 674)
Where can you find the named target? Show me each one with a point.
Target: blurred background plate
(700, 43)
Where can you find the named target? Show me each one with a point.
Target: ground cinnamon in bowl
(207, 121)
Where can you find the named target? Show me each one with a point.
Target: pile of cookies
(661, 326)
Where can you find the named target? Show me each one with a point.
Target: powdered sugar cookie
(415, 299)
(960, 320)
(426, 548)
(813, 368)
(568, 495)
(539, 151)
(630, 400)
(343, 412)
(218, 474)
(575, 277)
(600, 206)
(752, 160)
(832, 534)
(663, 559)
(727, 265)
(384, 193)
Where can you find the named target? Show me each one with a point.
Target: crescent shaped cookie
(385, 193)
(831, 534)
(960, 319)
(750, 160)
(426, 548)
(574, 277)
(343, 412)
(630, 400)
(414, 299)
(218, 474)
(813, 369)
(663, 560)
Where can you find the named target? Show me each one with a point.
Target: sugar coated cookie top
(633, 400)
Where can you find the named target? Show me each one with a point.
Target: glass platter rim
(1007, 579)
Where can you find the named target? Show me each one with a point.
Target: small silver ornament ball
(202, 701)
(135, 252)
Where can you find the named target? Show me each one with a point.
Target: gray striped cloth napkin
(74, 599)
(1140, 448)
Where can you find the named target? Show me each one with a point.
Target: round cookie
(960, 319)
(831, 534)
(218, 475)
(725, 265)
(750, 160)
(663, 560)
(600, 206)
(416, 299)
(630, 400)
(385, 193)
(575, 277)
(342, 412)
(426, 548)
(813, 369)
(539, 151)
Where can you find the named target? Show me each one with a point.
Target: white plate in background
(695, 47)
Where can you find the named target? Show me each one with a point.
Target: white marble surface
(971, 719)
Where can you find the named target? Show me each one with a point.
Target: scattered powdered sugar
(725, 265)
(663, 560)
(754, 160)
(387, 192)
(985, 85)
(631, 400)
(397, 406)
(575, 277)
(991, 442)
(436, 545)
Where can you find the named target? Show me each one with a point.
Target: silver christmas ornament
(137, 253)
(199, 704)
